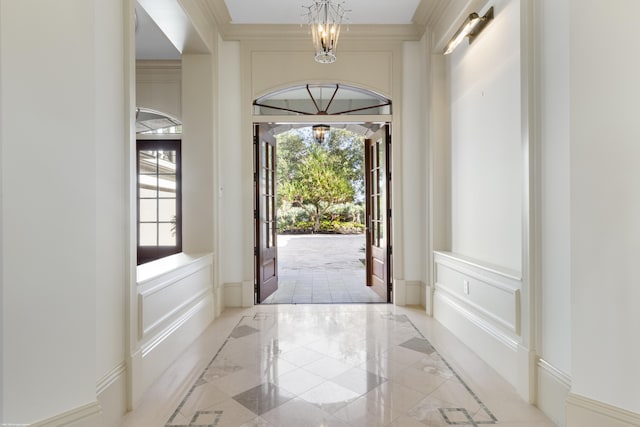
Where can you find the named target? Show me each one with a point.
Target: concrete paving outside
(322, 268)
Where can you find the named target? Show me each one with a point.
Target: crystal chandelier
(325, 18)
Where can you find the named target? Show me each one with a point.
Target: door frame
(265, 213)
(372, 251)
(309, 120)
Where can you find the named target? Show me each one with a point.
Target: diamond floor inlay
(353, 367)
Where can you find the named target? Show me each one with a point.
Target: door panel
(378, 250)
(266, 251)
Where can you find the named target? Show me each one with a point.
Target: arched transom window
(322, 99)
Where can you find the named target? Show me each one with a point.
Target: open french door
(378, 210)
(266, 233)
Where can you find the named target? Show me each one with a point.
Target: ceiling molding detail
(301, 32)
(427, 12)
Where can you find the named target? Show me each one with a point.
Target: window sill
(172, 263)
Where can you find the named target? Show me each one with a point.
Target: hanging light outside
(320, 133)
(325, 18)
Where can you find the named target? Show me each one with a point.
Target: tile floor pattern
(322, 269)
(297, 369)
(351, 365)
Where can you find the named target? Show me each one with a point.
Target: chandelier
(325, 18)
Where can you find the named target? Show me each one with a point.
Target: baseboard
(248, 293)
(415, 293)
(585, 412)
(400, 292)
(553, 387)
(111, 391)
(78, 417)
(232, 294)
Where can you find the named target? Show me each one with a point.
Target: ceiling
(292, 11)
(152, 43)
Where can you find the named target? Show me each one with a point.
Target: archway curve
(149, 121)
(296, 83)
(322, 99)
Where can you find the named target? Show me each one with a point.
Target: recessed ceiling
(292, 11)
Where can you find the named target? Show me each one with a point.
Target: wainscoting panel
(480, 303)
(176, 303)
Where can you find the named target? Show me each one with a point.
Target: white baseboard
(106, 411)
(415, 293)
(399, 292)
(232, 294)
(553, 387)
(111, 391)
(585, 412)
(495, 347)
(83, 416)
(248, 293)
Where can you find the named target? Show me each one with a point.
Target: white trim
(552, 389)
(248, 293)
(232, 294)
(414, 292)
(313, 119)
(158, 136)
(453, 297)
(613, 415)
(477, 321)
(110, 377)
(188, 315)
(559, 376)
(72, 416)
(442, 257)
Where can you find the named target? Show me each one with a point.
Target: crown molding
(299, 32)
(218, 12)
(427, 13)
(157, 64)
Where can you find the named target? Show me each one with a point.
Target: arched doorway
(324, 106)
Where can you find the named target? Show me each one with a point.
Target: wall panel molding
(480, 304)
(76, 415)
(585, 412)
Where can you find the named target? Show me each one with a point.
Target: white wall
(414, 153)
(230, 191)
(49, 228)
(605, 202)
(197, 153)
(111, 172)
(554, 345)
(110, 184)
(2, 344)
(487, 166)
(159, 87)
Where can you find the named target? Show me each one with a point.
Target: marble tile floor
(323, 287)
(322, 269)
(330, 365)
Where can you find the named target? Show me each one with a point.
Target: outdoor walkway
(322, 268)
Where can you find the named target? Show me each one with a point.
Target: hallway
(338, 365)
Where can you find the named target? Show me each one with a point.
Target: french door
(266, 233)
(378, 211)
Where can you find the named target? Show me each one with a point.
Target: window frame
(147, 254)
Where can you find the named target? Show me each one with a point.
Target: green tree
(319, 180)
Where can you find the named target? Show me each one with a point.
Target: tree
(320, 181)
(316, 176)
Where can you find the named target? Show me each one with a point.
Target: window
(159, 199)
